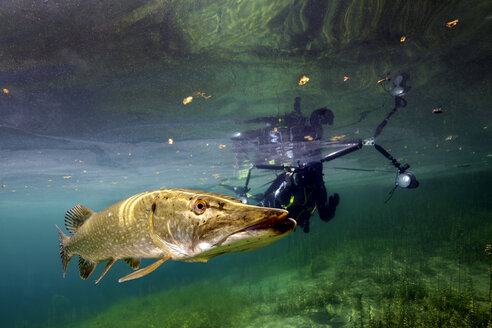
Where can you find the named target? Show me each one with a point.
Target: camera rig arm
(351, 146)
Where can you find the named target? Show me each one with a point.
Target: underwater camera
(406, 180)
(399, 90)
(399, 85)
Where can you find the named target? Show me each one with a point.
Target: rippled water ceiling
(92, 69)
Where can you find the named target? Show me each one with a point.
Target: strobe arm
(381, 125)
(271, 167)
(401, 168)
(355, 145)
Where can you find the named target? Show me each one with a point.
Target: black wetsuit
(301, 194)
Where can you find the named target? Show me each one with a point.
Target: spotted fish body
(176, 224)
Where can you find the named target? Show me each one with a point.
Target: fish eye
(200, 206)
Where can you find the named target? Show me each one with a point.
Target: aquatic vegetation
(488, 250)
(395, 295)
(437, 308)
(197, 305)
(352, 293)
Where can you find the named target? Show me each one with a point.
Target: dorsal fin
(76, 216)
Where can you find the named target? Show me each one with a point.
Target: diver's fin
(85, 267)
(64, 256)
(133, 262)
(76, 216)
(145, 271)
(108, 265)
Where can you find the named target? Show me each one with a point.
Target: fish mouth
(275, 225)
(279, 224)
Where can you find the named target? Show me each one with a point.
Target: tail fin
(64, 256)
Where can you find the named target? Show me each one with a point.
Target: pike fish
(167, 224)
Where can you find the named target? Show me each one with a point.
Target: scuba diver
(300, 189)
(301, 192)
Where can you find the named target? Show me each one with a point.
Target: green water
(416, 261)
(91, 92)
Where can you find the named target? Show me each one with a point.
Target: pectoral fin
(110, 263)
(143, 272)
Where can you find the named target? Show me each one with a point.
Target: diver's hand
(334, 200)
(288, 178)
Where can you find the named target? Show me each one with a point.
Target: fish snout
(273, 219)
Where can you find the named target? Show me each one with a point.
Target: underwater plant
(488, 250)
